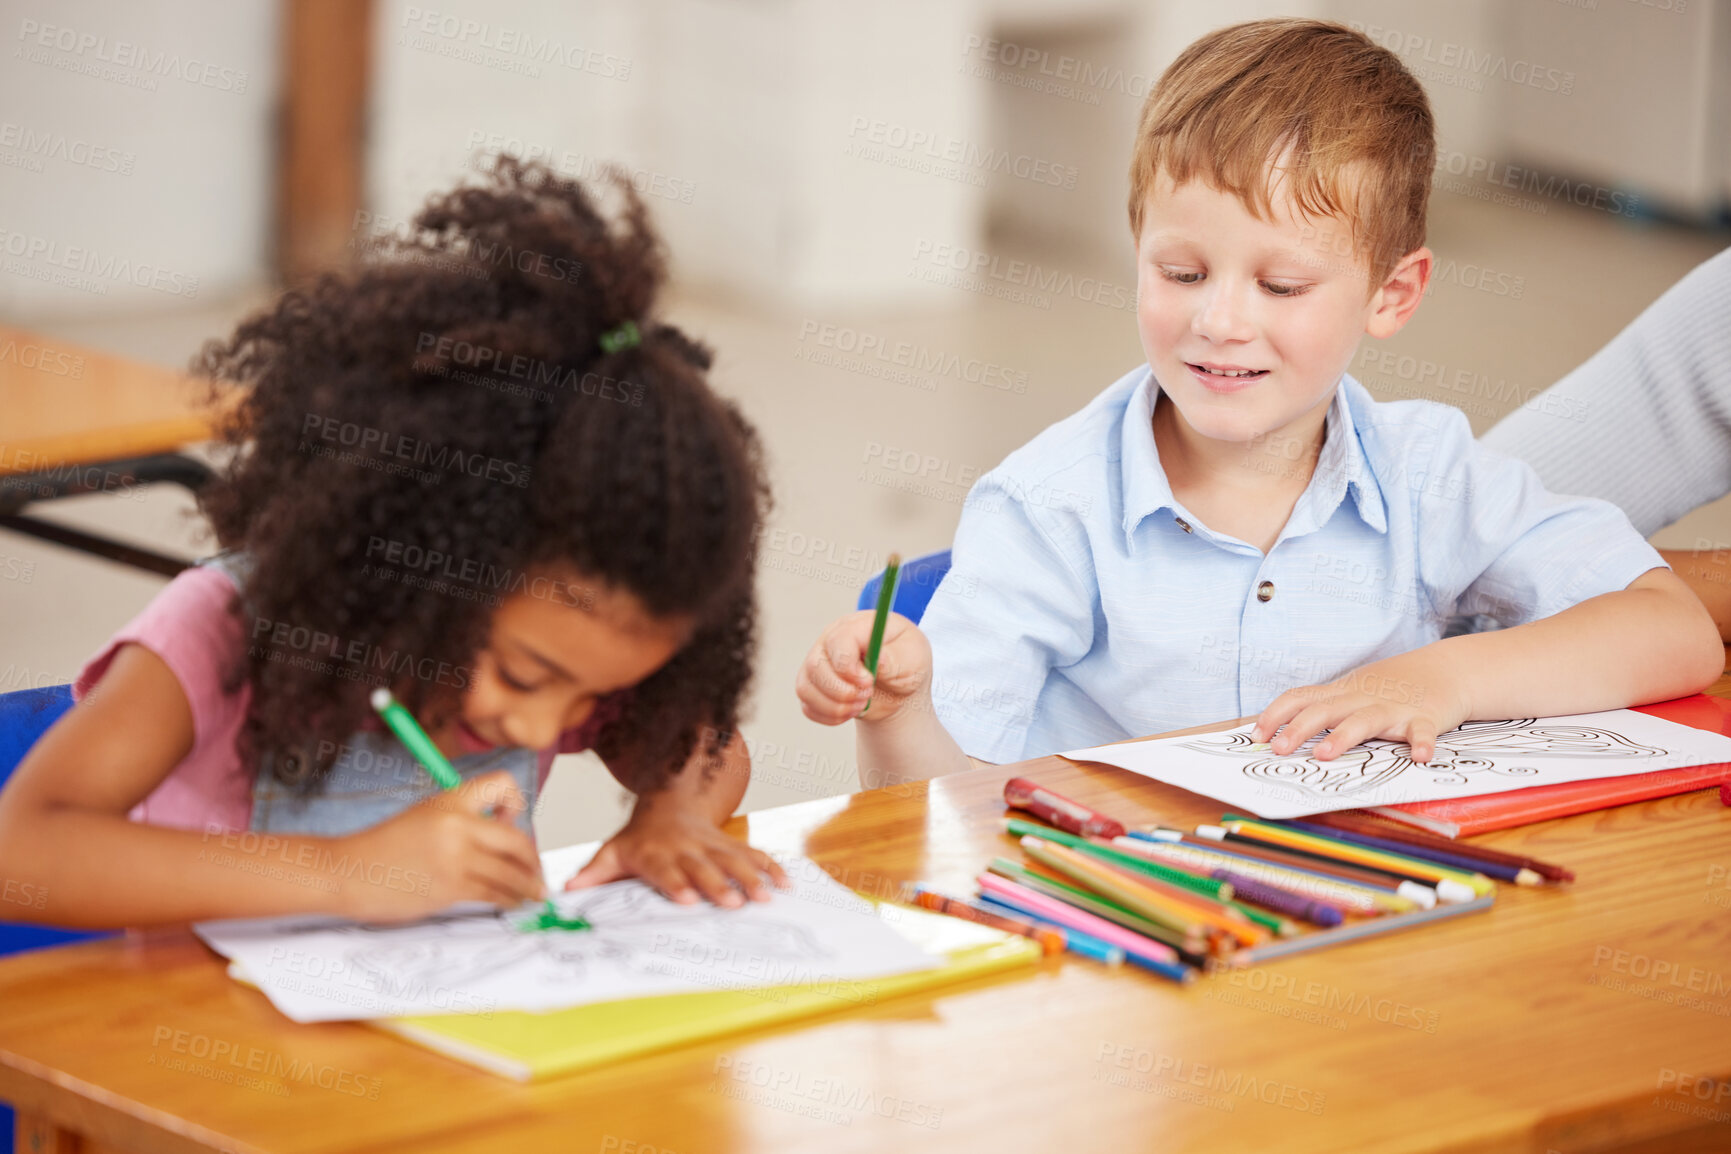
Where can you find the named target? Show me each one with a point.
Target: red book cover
(1465, 816)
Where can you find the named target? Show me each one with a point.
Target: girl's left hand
(683, 854)
(1400, 699)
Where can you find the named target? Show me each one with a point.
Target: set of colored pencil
(1230, 894)
(1319, 889)
(1189, 905)
(1084, 891)
(1520, 869)
(1158, 875)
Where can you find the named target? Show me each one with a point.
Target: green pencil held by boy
(886, 597)
(438, 767)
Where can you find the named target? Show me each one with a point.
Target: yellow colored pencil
(1359, 855)
(1218, 912)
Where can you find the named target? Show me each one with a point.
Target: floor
(867, 461)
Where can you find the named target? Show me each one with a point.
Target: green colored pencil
(886, 597)
(410, 733)
(1206, 887)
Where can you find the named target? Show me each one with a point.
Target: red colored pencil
(1055, 809)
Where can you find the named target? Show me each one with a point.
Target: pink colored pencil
(1068, 915)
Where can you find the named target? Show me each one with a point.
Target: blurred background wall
(835, 182)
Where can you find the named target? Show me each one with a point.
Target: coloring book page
(479, 959)
(1479, 757)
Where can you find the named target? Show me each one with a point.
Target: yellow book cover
(527, 1046)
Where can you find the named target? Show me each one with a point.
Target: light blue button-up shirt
(1085, 604)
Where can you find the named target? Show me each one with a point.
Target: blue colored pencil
(1173, 970)
(1176, 971)
(1077, 942)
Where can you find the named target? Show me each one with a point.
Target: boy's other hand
(834, 686)
(1396, 700)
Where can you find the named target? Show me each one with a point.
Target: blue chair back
(24, 717)
(919, 579)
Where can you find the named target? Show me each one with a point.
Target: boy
(1245, 519)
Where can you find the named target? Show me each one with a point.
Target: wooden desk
(73, 420)
(1536, 1027)
(65, 403)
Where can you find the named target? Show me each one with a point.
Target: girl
(471, 471)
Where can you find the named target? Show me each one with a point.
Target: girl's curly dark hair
(451, 398)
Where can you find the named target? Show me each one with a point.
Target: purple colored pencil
(1287, 902)
(1471, 865)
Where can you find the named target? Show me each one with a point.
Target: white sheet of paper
(477, 959)
(1478, 758)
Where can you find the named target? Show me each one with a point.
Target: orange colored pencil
(1137, 892)
(1206, 907)
(1051, 941)
(1082, 874)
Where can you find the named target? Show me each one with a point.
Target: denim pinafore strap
(374, 777)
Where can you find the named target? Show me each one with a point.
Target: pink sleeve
(189, 627)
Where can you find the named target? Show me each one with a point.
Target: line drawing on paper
(634, 931)
(1475, 748)
(476, 958)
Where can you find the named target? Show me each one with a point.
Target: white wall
(802, 150)
(136, 152)
(736, 119)
(1674, 143)
(745, 123)
(441, 93)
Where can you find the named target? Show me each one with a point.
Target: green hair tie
(625, 336)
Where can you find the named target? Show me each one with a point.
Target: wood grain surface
(62, 403)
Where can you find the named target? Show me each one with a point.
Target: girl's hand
(682, 853)
(834, 686)
(443, 851)
(1380, 700)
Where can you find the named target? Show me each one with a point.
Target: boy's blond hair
(1335, 115)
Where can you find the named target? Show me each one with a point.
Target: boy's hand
(834, 686)
(682, 853)
(1398, 700)
(443, 851)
